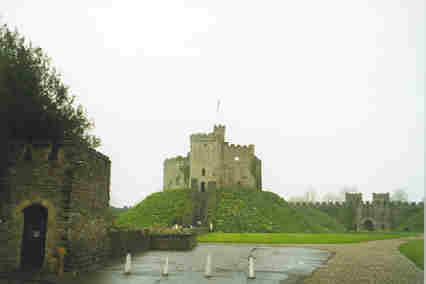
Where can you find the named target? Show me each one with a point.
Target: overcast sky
(330, 92)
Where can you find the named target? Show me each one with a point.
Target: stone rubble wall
(73, 185)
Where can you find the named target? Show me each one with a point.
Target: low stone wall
(140, 241)
(174, 241)
(133, 241)
(201, 230)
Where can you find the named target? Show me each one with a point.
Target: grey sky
(330, 92)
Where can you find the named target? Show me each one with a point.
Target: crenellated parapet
(203, 137)
(364, 204)
(319, 205)
(403, 204)
(21, 151)
(175, 160)
(239, 150)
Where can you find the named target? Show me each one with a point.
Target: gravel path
(366, 263)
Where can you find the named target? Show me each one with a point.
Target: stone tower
(212, 163)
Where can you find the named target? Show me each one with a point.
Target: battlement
(335, 204)
(366, 204)
(203, 137)
(240, 149)
(219, 127)
(381, 197)
(175, 160)
(45, 150)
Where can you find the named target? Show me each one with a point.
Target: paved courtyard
(229, 265)
(365, 263)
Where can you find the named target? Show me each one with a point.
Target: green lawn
(294, 238)
(414, 250)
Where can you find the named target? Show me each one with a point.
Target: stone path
(366, 263)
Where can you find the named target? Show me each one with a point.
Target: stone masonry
(212, 162)
(379, 215)
(53, 196)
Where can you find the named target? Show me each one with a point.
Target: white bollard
(211, 227)
(166, 267)
(208, 272)
(251, 268)
(128, 265)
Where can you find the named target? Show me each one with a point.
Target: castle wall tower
(206, 158)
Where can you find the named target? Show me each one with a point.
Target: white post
(251, 268)
(166, 267)
(208, 272)
(128, 265)
(211, 227)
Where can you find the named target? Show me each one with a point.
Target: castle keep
(212, 163)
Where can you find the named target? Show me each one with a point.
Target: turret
(354, 199)
(381, 198)
(219, 131)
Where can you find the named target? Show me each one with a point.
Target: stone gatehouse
(53, 196)
(213, 163)
(381, 214)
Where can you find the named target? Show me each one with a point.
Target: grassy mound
(414, 223)
(160, 208)
(231, 210)
(242, 210)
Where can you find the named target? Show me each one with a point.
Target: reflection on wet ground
(229, 265)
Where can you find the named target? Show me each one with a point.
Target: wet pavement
(229, 265)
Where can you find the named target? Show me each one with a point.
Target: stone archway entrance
(34, 237)
(368, 225)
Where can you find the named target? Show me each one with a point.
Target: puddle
(229, 265)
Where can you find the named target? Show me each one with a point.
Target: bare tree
(295, 199)
(311, 194)
(346, 189)
(399, 194)
(331, 197)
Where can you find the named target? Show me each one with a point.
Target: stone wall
(72, 185)
(133, 241)
(383, 214)
(176, 173)
(174, 242)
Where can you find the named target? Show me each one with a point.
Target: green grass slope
(236, 210)
(242, 210)
(161, 208)
(414, 223)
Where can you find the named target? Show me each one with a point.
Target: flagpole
(217, 111)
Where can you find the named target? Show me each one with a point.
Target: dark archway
(368, 225)
(203, 187)
(34, 237)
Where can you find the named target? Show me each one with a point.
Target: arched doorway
(34, 237)
(203, 187)
(368, 225)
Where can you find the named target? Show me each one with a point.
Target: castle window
(203, 187)
(203, 172)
